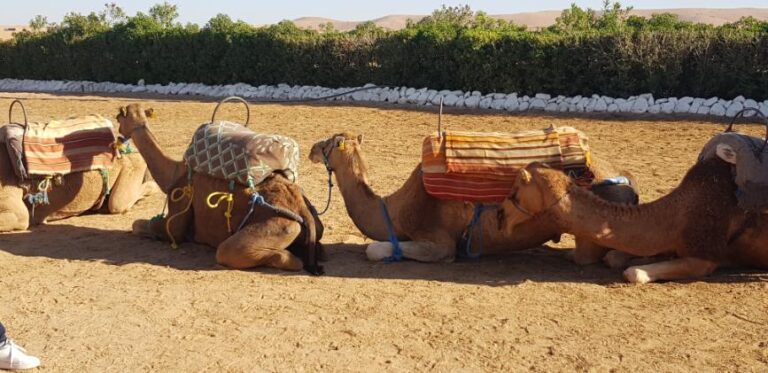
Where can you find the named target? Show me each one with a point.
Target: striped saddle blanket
(232, 152)
(482, 167)
(61, 147)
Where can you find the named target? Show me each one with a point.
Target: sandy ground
(85, 295)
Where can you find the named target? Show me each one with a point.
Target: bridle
(545, 210)
(326, 153)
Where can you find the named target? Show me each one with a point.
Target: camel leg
(587, 252)
(675, 269)
(422, 251)
(14, 215)
(620, 260)
(159, 228)
(129, 188)
(262, 245)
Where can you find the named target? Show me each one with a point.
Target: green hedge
(700, 63)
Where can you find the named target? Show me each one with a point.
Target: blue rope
(397, 252)
(466, 248)
(618, 180)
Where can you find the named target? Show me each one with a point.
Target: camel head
(335, 150)
(537, 189)
(133, 117)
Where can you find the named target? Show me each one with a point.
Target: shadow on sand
(344, 260)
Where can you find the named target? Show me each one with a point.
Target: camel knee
(243, 259)
(616, 259)
(378, 251)
(587, 252)
(10, 221)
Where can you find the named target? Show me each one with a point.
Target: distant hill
(6, 31)
(535, 20)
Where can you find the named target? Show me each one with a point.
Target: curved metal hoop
(23, 110)
(440, 120)
(233, 98)
(757, 113)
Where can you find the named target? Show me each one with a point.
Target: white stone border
(642, 104)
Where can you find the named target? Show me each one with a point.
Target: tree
(613, 17)
(460, 16)
(39, 23)
(113, 14)
(575, 19)
(164, 14)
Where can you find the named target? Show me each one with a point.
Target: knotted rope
(177, 195)
(222, 196)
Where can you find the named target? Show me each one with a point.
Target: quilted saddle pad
(230, 151)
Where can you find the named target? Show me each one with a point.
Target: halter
(530, 214)
(329, 169)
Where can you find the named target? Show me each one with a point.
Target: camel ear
(338, 142)
(150, 113)
(726, 153)
(122, 112)
(360, 139)
(525, 176)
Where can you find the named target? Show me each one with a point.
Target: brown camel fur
(76, 194)
(430, 228)
(267, 240)
(699, 222)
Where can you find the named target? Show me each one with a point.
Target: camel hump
(230, 151)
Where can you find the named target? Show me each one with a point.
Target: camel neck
(164, 170)
(362, 203)
(632, 229)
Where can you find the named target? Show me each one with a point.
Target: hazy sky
(261, 12)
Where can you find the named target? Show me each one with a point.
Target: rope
(41, 197)
(330, 179)
(397, 252)
(177, 195)
(223, 196)
(466, 238)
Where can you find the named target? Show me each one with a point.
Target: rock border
(512, 102)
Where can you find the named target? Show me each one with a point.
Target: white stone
(537, 104)
(563, 107)
(499, 96)
(717, 109)
(450, 99)
(654, 109)
(734, 108)
(600, 105)
(682, 107)
(460, 102)
(739, 99)
(476, 93)
(472, 101)
(640, 105)
(625, 106)
(686, 100)
(695, 105)
(524, 106)
(485, 103)
(498, 104)
(511, 103)
(703, 110)
(668, 107)
(613, 108)
(662, 100)
(608, 100)
(543, 96)
(710, 101)
(750, 103)
(552, 106)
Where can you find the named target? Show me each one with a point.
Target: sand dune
(546, 18)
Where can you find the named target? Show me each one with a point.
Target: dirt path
(85, 295)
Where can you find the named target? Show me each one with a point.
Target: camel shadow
(105, 246)
(541, 264)
(344, 260)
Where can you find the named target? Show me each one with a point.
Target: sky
(267, 12)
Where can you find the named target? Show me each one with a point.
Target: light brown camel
(269, 238)
(699, 222)
(430, 228)
(75, 194)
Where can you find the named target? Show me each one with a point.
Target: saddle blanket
(751, 168)
(65, 146)
(482, 167)
(230, 151)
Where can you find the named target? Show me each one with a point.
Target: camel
(698, 224)
(430, 228)
(72, 194)
(269, 238)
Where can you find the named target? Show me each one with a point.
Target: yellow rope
(177, 195)
(223, 196)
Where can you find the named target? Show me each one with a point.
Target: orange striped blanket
(481, 167)
(72, 145)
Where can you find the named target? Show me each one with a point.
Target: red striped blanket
(72, 145)
(481, 167)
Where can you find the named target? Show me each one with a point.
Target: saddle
(750, 167)
(230, 151)
(482, 167)
(59, 147)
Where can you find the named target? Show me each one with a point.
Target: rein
(530, 214)
(330, 180)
